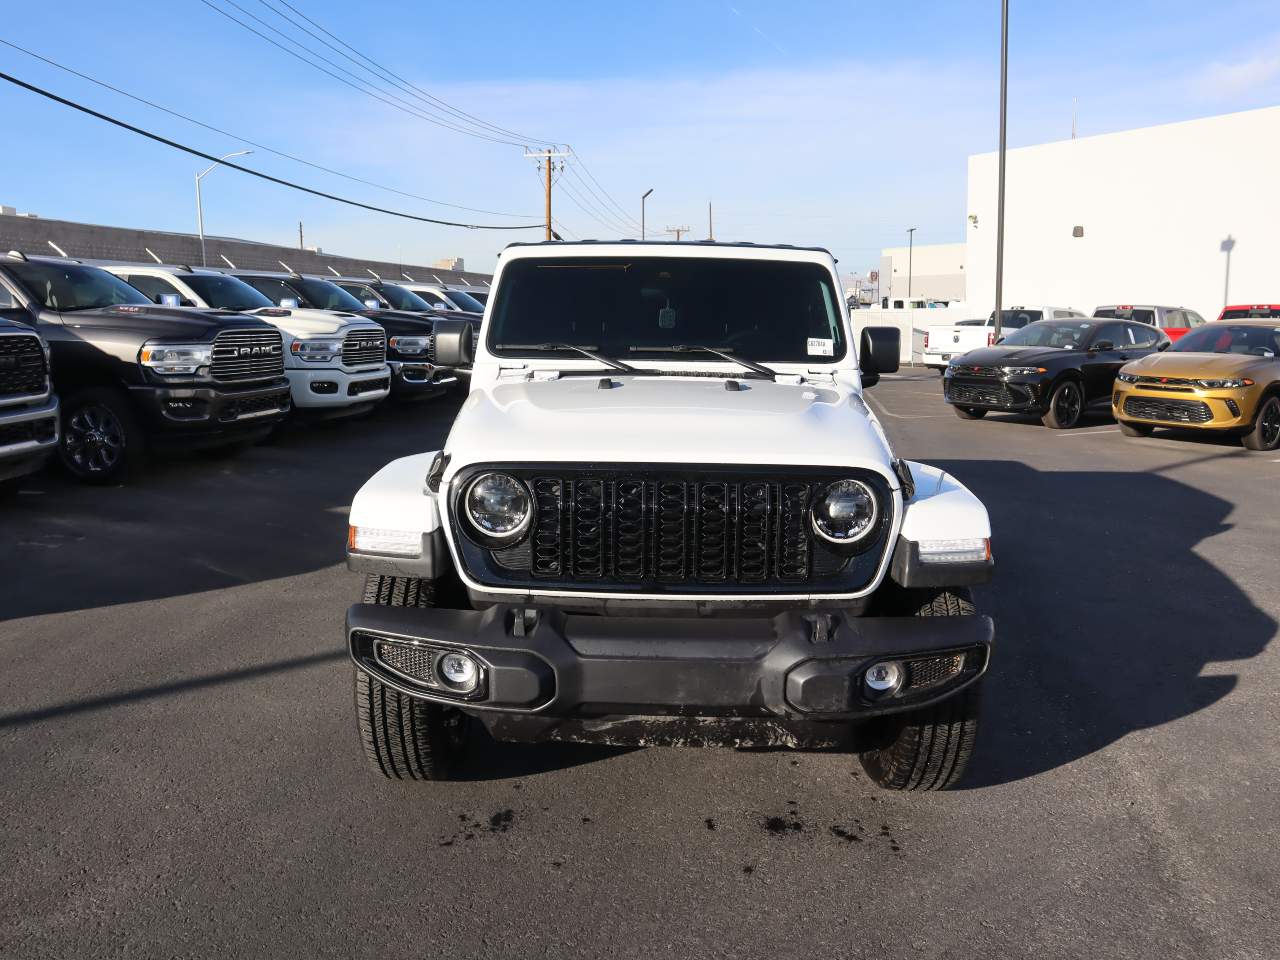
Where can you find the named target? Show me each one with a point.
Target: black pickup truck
(135, 377)
(28, 406)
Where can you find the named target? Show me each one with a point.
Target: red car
(1173, 321)
(1241, 311)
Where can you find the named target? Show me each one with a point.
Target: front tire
(1135, 429)
(1066, 406)
(969, 413)
(405, 738)
(928, 749)
(102, 441)
(1265, 434)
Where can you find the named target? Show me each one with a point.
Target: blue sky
(838, 124)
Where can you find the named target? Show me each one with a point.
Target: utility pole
(711, 229)
(547, 157)
(1004, 101)
(300, 246)
(643, 197)
(678, 231)
(911, 250)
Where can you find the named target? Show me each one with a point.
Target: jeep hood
(665, 419)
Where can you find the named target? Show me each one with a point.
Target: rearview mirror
(878, 353)
(455, 343)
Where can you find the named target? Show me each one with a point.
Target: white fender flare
(395, 522)
(945, 539)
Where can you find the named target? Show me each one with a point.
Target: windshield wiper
(585, 351)
(722, 354)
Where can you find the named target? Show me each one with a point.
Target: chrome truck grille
(22, 367)
(670, 531)
(247, 355)
(365, 346)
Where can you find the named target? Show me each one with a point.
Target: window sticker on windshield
(820, 347)
(667, 318)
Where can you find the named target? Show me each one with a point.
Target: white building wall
(1156, 205)
(937, 270)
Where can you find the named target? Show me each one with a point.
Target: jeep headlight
(1225, 384)
(409, 345)
(845, 512)
(498, 506)
(1127, 377)
(316, 351)
(176, 359)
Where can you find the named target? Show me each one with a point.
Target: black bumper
(197, 415)
(542, 662)
(411, 379)
(1016, 396)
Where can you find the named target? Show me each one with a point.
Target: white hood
(305, 322)
(667, 420)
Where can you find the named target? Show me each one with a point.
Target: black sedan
(1053, 369)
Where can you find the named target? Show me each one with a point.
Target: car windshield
(465, 301)
(72, 286)
(1049, 333)
(403, 299)
(1016, 317)
(1140, 314)
(636, 307)
(1249, 339)
(324, 295)
(228, 293)
(1239, 313)
(362, 292)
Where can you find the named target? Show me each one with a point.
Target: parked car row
(108, 363)
(1222, 377)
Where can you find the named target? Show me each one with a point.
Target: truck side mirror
(455, 343)
(372, 304)
(879, 353)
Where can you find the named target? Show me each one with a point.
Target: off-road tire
(1265, 434)
(1066, 405)
(970, 413)
(124, 437)
(1135, 429)
(405, 738)
(928, 749)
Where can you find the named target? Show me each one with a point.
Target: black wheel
(969, 413)
(102, 441)
(1135, 429)
(406, 738)
(1065, 406)
(928, 749)
(1265, 434)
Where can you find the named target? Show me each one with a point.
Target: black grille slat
(671, 518)
(546, 534)
(22, 367)
(793, 538)
(361, 347)
(1168, 411)
(991, 394)
(247, 355)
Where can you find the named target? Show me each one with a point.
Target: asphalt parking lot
(180, 773)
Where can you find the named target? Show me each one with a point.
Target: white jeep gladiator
(665, 514)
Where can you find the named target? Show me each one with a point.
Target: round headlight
(498, 506)
(845, 512)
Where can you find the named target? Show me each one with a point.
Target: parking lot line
(1087, 433)
(902, 416)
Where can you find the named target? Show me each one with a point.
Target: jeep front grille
(22, 367)
(247, 355)
(361, 347)
(674, 532)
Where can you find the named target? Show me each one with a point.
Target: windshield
(1049, 333)
(72, 286)
(1012, 319)
(483, 297)
(1140, 314)
(362, 292)
(228, 293)
(403, 299)
(1250, 340)
(464, 301)
(324, 295)
(1239, 313)
(629, 307)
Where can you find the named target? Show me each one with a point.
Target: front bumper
(196, 414)
(328, 388)
(549, 666)
(995, 393)
(28, 435)
(414, 378)
(1189, 409)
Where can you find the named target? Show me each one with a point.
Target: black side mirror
(455, 343)
(878, 353)
(1101, 345)
(1164, 345)
(18, 314)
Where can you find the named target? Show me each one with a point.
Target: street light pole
(200, 204)
(1004, 101)
(911, 249)
(643, 197)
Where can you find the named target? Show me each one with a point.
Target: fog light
(884, 679)
(459, 671)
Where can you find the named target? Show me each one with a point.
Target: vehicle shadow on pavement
(490, 759)
(1106, 616)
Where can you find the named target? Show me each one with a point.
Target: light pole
(1004, 101)
(911, 249)
(200, 205)
(643, 197)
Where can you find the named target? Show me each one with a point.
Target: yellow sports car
(1223, 376)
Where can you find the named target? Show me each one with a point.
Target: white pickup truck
(944, 341)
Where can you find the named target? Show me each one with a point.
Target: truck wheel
(1065, 406)
(969, 413)
(929, 749)
(406, 738)
(102, 441)
(1135, 429)
(1265, 434)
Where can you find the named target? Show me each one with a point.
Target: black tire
(1066, 405)
(102, 441)
(1135, 429)
(1265, 434)
(928, 749)
(405, 738)
(969, 413)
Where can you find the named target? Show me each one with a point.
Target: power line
(252, 143)
(582, 163)
(604, 204)
(594, 213)
(256, 173)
